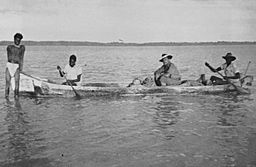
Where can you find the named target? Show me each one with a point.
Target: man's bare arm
(22, 57)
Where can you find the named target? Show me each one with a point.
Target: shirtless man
(15, 56)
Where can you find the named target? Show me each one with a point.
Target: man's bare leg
(7, 83)
(17, 83)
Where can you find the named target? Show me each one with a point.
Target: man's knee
(212, 78)
(157, 81)
(7, 75)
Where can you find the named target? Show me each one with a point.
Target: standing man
(71, 72)
(15, 56)
(230, 70)
(168, 73)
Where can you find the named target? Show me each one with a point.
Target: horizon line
(223, 41)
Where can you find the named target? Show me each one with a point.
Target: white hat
(165, 56)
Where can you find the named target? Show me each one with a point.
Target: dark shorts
(218, 81)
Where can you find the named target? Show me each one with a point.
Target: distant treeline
(85, 43)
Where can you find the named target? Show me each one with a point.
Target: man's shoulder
(172, 65)
(12, 46)
(79, 68)
(22, 46)
(76, 67)
(223, 65)
(234, 65)
(67, 66)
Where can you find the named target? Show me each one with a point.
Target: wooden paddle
(247, 68)
(238, 88)
(244, 76)
(70, 84)
(77, 94)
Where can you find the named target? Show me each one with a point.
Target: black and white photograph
(127, 83)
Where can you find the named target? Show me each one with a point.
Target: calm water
(174, 130)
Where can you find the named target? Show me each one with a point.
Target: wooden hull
(41, 87)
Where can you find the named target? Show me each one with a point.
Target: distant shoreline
(85, 43)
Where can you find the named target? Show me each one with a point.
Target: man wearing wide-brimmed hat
(230, 70)
(168, 73)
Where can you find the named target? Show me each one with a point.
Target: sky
(129, 20)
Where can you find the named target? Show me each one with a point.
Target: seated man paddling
(71, 72)
(230, 70)
(168, 73)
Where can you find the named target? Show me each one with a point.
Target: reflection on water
(229, 133)
(167, 112)
(176, 130)
(20, 144)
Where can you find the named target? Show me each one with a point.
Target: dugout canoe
(32, 85)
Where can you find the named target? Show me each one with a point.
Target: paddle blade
(242, 90)
(78, 97)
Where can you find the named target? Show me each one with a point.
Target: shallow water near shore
(151, 130)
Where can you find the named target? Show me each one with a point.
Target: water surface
(153, 130)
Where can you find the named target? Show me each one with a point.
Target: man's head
(72, 60)
(229, 57)
(165, 58)
(17, 38)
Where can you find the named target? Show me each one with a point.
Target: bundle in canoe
(32, 85)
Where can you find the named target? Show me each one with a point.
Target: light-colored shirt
(72, 72)
(169, 70)
(230, 70)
